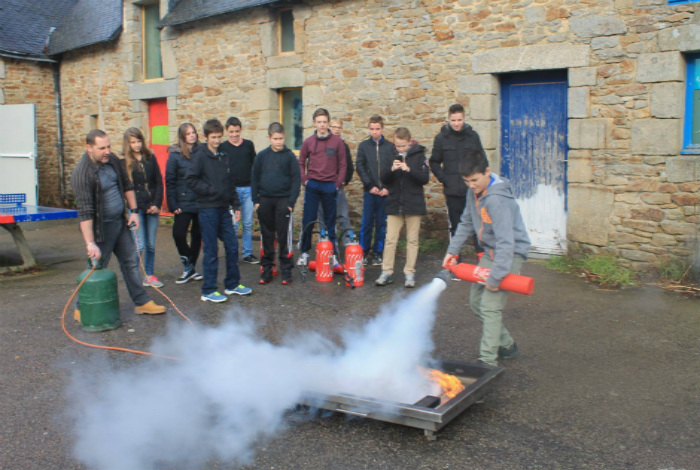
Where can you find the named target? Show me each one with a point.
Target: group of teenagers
(213, 186)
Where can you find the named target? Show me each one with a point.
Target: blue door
(533, 153)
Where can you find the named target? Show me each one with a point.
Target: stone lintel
(525, 58)
(152, 90)
(286, 78)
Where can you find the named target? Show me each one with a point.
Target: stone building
(592, 108)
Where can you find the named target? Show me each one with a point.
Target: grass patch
(678, 271)
(604, 270)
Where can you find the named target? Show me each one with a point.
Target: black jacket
(369, 156)
(242, 158)
(448, 149)
(179, 195)
(148, 183)
(276, 174)
(88, 191)
(350, 167)
(406, 195)
(210, 178)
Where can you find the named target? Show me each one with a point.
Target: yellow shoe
(149, 308)
(76, 315)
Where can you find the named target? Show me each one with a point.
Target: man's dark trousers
(216, 223)
(324, 192)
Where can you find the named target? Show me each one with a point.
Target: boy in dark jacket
(493, 214)
(370, 153)
(210, 178)
(451, 146)
(404, 176)
(275, 185)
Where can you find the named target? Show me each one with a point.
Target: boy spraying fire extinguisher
(493, 214)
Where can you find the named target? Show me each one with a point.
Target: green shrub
(605, 270)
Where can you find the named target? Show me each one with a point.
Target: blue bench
(13, 211)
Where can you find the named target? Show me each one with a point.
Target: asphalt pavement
(607, 379)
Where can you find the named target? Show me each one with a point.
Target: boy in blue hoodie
(493, 215)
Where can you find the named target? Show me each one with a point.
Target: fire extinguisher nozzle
(444, 275)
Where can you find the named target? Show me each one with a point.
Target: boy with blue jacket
(493, 215)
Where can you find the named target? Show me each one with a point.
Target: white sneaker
(410, 281)
(303, 259)
(335, 261)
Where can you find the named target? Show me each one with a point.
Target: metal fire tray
(477, 380)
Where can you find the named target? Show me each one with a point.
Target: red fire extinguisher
(324, 258)
(353, 262)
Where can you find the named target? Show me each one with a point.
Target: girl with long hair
(143, 170)
(182, 202)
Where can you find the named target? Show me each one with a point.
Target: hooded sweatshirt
(494, 216)
(449, 148)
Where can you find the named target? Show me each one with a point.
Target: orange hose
(112, 348)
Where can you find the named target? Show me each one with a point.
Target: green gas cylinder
(99, 299)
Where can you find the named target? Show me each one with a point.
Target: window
(691, 131)
(291, 117)
(285, 30)
(92, 122)
(152, 65)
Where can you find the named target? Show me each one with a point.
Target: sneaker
(377, 259)
(152, 281)
(384, 279)
(197, 277)
(266, 275)
(365, 259)
(240, 290)
(410, 281)
(215, 297)
(508, 353)
(251, 259)
(186, 277)
(286, 277)
(303, 259)
(335, 261)
(149, 308)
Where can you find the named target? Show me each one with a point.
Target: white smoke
(233, 388)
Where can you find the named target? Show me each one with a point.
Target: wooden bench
(13, 211)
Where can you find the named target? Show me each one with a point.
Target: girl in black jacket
(143, 170)
(404, 176)
(182, 202)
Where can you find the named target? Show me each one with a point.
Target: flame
(450, 384)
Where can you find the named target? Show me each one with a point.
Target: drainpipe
(59, 120)
(59, 125)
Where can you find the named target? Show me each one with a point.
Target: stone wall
(30, 82)
(630, 190)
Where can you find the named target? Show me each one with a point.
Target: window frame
(288, 130)
(692, 74)
(144, 67)
(279, 32)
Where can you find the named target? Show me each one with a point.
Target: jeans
(216, 223)
(119, 240)
(373, 217)
(146, 238)
(488, 308)
(316, 192)
(343, 215)
(180, 227)
(247, 208)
